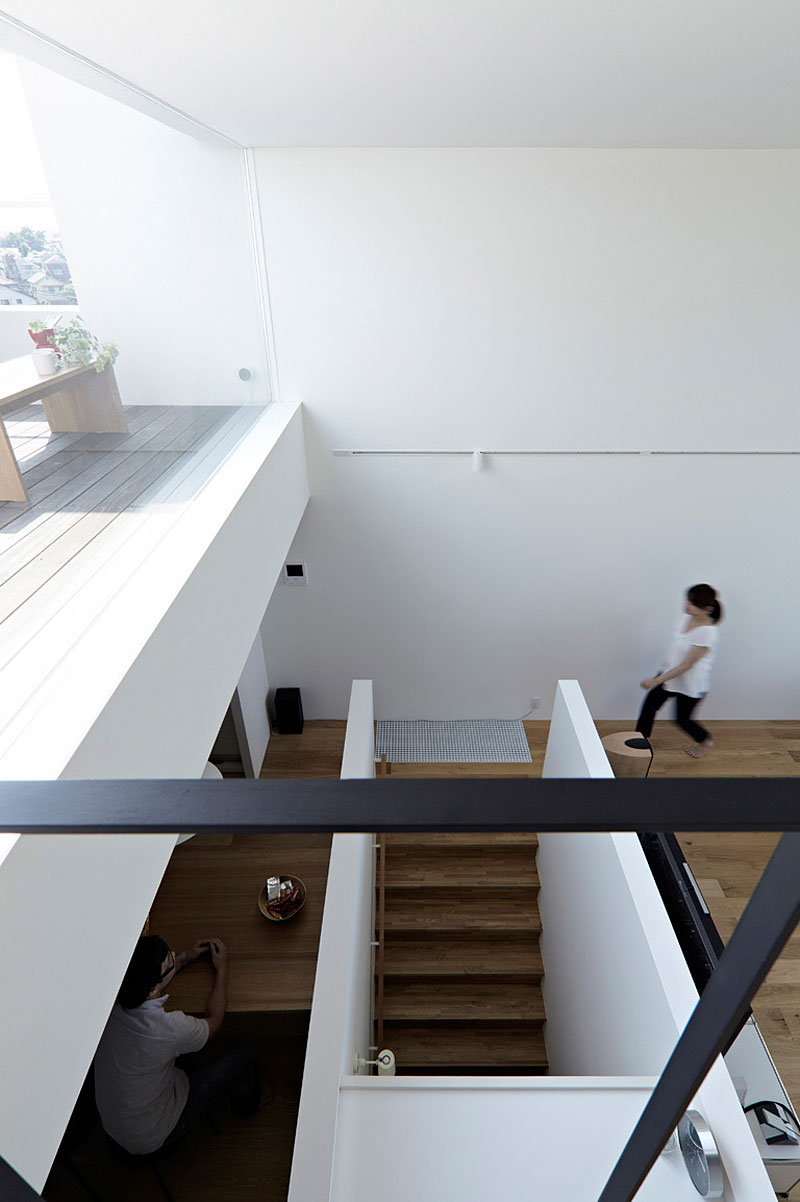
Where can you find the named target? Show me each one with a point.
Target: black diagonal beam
(768, 921)
(14, 1188)
(303, 806)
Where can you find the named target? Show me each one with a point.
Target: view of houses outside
(33, 266)
(33, 269)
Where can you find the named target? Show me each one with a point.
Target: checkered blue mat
(488, 741)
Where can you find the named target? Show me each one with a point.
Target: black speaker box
(288, 712)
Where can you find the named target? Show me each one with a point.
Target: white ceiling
(454, 72)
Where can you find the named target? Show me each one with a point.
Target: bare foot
(698, 750)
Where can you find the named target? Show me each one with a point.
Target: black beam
(768, 921)
(14, 1188)
(153, 806)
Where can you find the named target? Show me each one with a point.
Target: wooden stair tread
(456, 910)
(471, 839)
(460, 968)
(446, 1000)
(500, 1046)
(459, 956)
(468, 867)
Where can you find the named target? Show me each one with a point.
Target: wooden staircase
(458, 965)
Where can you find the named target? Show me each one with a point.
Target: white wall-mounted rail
(419, 452)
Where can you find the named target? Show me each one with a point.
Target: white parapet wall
(573, 745)
(341, 1010)
(249, 710)
(143, 695)
(525, 1139)
(145, 690)
(358, 757)
(616, 986)
(71, 910)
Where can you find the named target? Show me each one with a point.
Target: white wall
(609, 1009)
(573, 744)
(164, 714)
(536, 299)
(341, 1009)
(14, 337)
(519, 1138)
(155, 227)
(249, 710)
(340, 1013)
(63, 957)
(616, 987)
(358, 754)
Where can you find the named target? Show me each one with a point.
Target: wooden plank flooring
(91, 498)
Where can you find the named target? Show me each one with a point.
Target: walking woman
(690, 659)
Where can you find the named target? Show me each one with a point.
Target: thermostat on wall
(295, 573)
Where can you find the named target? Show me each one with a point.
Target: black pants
(683, 713)
(234, 1074)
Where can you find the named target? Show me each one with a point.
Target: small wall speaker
(288, 712)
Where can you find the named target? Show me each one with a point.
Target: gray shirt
(140, 1093)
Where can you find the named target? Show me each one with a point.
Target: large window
(33, 266)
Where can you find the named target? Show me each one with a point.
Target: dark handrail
(398, 804)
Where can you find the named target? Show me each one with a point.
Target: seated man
(144, 1100)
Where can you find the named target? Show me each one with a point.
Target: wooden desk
(75, 400)
(211, 888)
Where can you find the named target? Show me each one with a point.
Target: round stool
(629, 753)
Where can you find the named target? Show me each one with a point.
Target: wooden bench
(75, 400)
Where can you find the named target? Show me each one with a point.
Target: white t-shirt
(140, 1093)
(693, 683)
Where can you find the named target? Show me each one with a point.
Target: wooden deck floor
(90, 496)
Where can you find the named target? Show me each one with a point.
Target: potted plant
(75, 345)
(42, 335)
(78, 346)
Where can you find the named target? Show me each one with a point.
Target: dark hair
(143, 972)
(705, 597)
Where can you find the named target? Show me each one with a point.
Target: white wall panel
(517, 1138)
(341, 1010)
(72, 909)
(249, 710)
(548, 299)
(142, 696)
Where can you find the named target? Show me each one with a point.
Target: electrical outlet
(535, 702)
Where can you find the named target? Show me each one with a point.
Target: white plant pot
(45, 361)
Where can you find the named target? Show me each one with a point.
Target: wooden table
(75, 400)
(211, 888)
